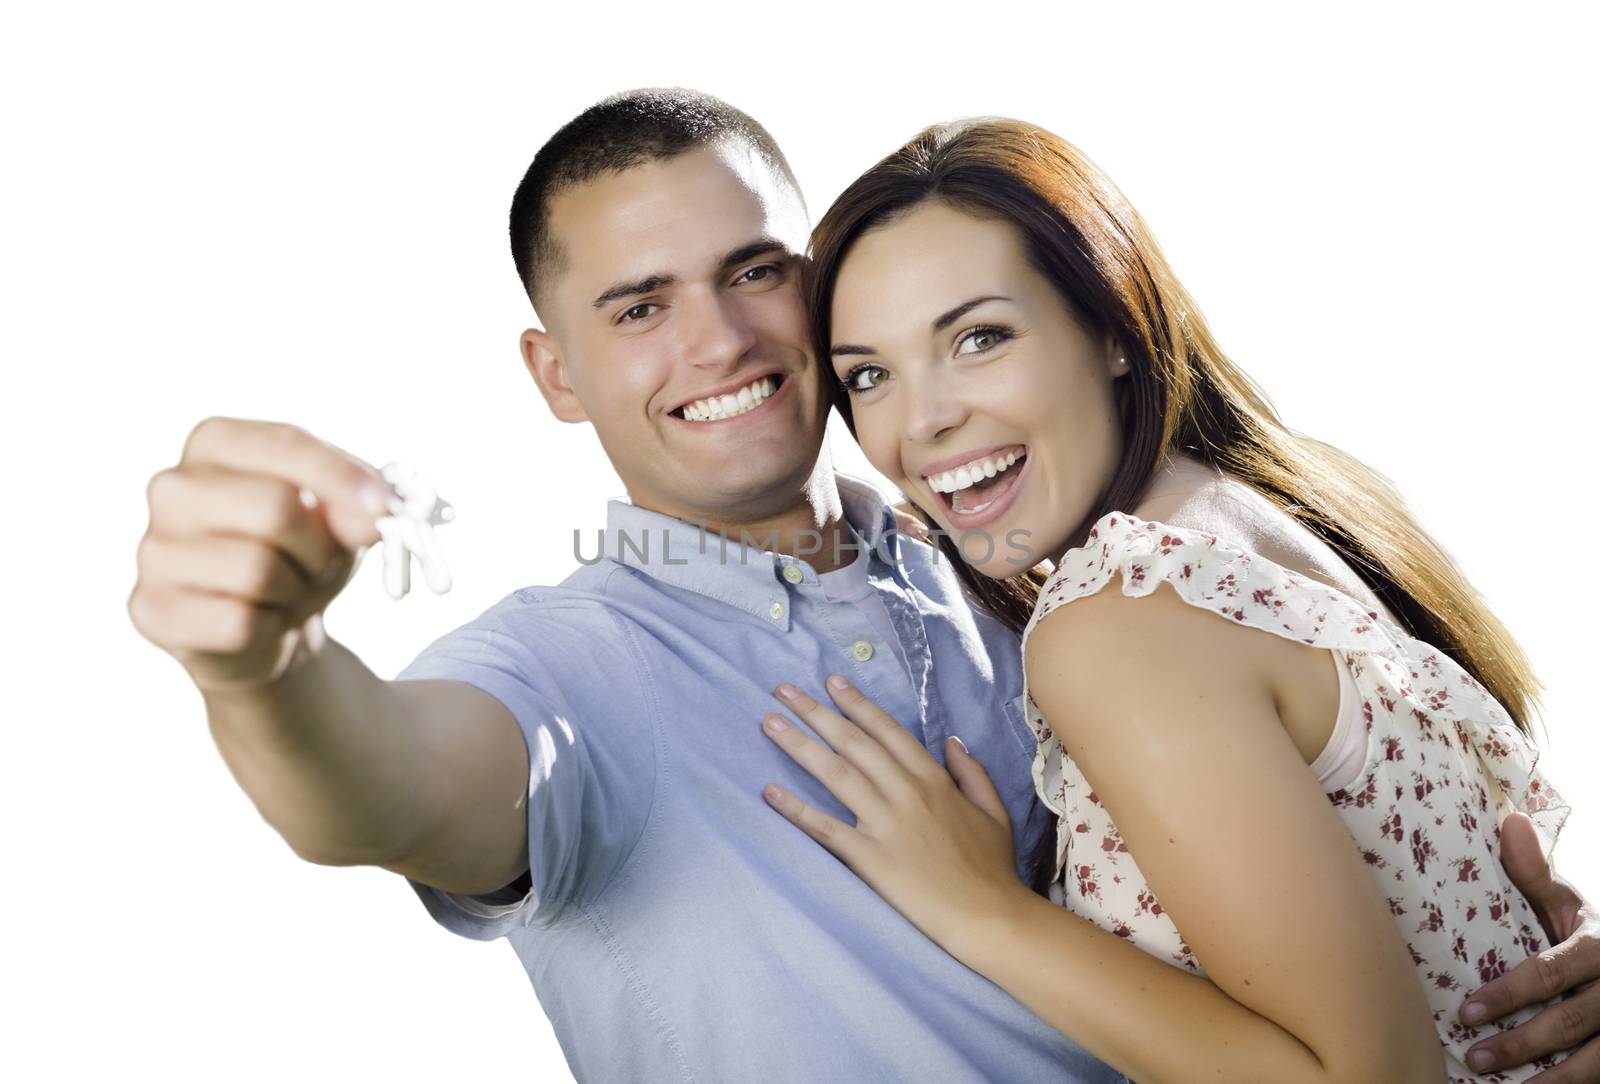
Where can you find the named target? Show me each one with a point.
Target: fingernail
(774, 793)
(785, 691)
(837, 683)
(775, 724)
(1475, 1012)
(958, 741)
(375, 499)
(1480, 1060)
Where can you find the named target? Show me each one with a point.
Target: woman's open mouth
(976, 493)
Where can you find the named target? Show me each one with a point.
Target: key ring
(415, 509)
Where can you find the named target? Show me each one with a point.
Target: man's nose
(722, 335)
(933, 410)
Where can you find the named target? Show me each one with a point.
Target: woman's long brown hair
(1181, 393)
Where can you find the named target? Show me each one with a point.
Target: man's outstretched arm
(1568, 972)
(251, 536)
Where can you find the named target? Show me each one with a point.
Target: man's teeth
(749, 397)
(973, 473)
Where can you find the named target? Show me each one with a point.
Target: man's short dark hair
(623, 131)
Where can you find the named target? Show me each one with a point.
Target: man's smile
(734, 401)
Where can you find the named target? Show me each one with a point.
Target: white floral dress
(1444, 765)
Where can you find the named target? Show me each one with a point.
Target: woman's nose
(933, 412)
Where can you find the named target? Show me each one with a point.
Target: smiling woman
(1246, 655)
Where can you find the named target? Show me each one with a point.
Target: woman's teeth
(747, 398)
(970, 475)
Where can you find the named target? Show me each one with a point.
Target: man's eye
(760, 273)
(865, 377)
(982, 339)
(638, 312)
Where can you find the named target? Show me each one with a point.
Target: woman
(1248, 652)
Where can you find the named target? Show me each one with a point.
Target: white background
(298, 212)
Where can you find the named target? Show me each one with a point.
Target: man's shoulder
(576, 616)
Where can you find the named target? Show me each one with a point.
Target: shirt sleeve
(572, 680)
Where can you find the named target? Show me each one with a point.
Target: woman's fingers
(843, 779)
(884, 729)
(974, 782)
(840, 839)
(864, 751)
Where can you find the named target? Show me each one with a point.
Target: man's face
(680, 288)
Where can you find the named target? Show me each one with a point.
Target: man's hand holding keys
(255, 531)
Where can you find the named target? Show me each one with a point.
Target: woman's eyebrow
(962, 309)
(940, 324)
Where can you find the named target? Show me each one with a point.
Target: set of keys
(415, 509)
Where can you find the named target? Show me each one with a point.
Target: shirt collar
(680, 554)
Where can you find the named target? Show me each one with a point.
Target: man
(580, 768)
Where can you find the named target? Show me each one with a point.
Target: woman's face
(974, 388)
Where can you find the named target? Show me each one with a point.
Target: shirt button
(793, 574)
(861, 650)
(776, 611)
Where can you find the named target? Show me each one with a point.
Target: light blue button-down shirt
(678, 928)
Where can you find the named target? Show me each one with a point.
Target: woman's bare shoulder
(1196, 496)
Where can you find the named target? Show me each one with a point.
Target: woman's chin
(998, 553)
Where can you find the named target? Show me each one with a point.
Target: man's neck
(811, 529)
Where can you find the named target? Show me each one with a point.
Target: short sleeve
(570, 678)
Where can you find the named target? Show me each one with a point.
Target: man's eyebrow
(656, 282)
(759, 247)
(944, 321)
(630, 289)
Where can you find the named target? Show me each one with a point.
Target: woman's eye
(637, 313)
(865, 377)
(982, 339)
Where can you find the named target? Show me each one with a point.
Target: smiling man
(580, 768)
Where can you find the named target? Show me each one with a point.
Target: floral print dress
(1444, 764)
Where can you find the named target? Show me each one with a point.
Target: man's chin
(743, 492)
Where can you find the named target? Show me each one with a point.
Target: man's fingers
(1583, 1067)
(243, 568)
(841, 839)
(842, 778)
(1523, 858)
(353, 491)
(194, 622)
(1538, 978)
(199, 501)
(908, 522)
(884, 728)
(1560, 1026)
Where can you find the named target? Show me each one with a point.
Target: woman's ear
(543, 357)
(1116, 358)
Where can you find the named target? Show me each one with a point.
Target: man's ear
(543, 358)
